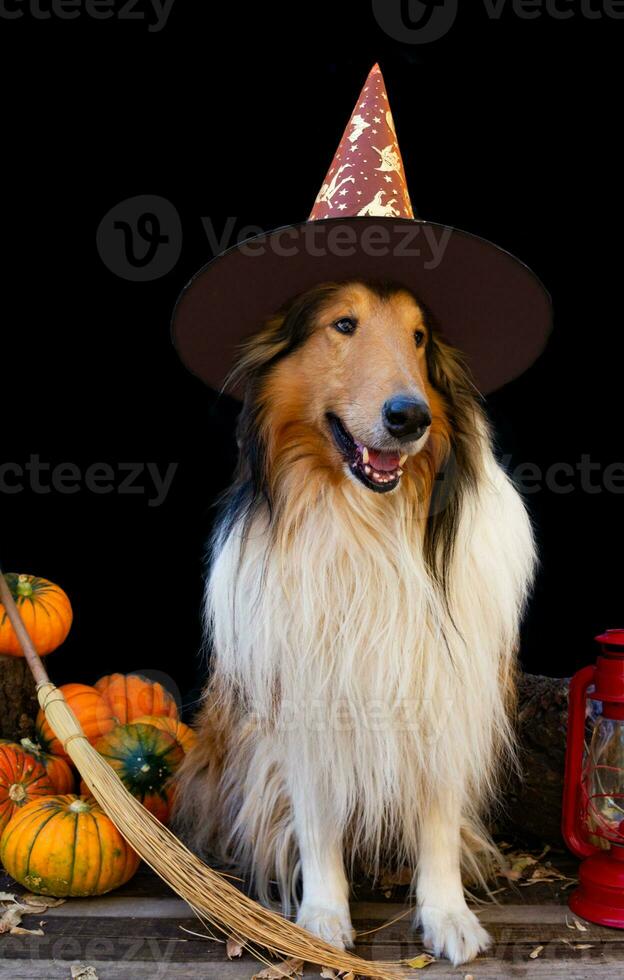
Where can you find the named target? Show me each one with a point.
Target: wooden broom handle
(31, 656)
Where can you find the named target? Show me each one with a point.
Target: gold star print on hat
(366, 177)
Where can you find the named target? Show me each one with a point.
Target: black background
(509, 128)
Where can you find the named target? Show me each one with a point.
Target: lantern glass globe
(604, 781)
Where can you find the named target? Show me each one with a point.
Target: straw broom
(211, 897)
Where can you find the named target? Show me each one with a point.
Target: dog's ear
(243, 418)
(447, 369)
(258, 351)
(280, 334)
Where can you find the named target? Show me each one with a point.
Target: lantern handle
(572, 803)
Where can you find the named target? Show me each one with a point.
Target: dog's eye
(345, 325)
(419, 337)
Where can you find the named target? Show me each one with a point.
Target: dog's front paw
(454, 933)
(331, 923)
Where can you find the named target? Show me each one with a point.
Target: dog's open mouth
(377, 469)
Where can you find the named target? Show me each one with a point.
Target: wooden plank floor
(140, 932)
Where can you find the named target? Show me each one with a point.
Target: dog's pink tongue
(385, 462)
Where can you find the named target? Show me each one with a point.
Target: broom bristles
(213, 899)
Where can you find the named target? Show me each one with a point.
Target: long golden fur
(364, 642)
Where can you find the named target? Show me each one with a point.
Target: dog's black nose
(406, 418)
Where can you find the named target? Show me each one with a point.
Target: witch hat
(362, 225)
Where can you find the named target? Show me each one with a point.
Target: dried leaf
(83, 972)
(420, 961)
(528, 869)
(522, 862)
(33, 909)
(233, 947)
(328, 974)
(42, 902)
(20, 931)
(535, 952)
(575, 924)
(543, 873)
(288, 968)
(11, 918)
(7, 897)
(572, 945)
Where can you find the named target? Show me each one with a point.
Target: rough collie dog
(367, 580)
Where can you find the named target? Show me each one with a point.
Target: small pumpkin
(132, 696)
(92, 711)
(145, 758)
(45, 609)
(183, 734)
(59, 771)
(22, 778)
(66, 846)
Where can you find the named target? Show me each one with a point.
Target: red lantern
(593, 799)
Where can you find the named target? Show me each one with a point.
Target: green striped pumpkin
(66, 846)
(145, 758)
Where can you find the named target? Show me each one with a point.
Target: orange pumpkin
(131, 696)
(58, 769)
(183, 735)
(93, 712)
(145, 758)
(67, 847)
(45, 609)
(22, 778)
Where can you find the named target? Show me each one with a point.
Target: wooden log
(18, 699)
(532, 805)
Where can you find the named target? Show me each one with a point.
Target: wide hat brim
(487, 303)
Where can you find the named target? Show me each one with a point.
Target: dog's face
(361, 379)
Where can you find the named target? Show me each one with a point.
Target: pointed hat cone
(362, 225)
(367, 176)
